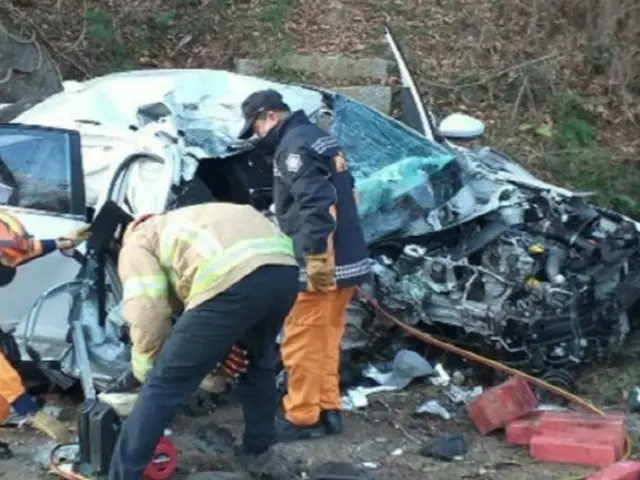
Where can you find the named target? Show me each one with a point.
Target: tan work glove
(79, 235)
(74, 238)
(50, 426)
(319, 273)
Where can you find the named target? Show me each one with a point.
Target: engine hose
(431, 340)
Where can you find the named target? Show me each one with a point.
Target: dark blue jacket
(314, 199)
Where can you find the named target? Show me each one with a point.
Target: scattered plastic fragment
(406, 366)
(549, 407)
(447, 447)
(397, 452)
(441, 377)
(433, 407)
(462, 395)
(457, 378)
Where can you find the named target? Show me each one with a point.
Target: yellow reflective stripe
(150, 286)
(203, 242)
(141, 364)
(212, 271)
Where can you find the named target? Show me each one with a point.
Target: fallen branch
(516, 106)
(497, 74)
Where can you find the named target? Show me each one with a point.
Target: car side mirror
(459, 126)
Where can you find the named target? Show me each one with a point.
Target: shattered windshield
(400, 175)
(35, 168)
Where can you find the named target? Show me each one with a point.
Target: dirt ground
(384, 439)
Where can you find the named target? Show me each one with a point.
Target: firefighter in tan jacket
(234, 276)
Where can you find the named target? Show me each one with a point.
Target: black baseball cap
(257, 103)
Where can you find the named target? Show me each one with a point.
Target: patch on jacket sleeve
(293, 163)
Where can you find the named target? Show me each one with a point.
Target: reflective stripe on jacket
(180, 259)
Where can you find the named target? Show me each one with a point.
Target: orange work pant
(11, 387)
(310, 351)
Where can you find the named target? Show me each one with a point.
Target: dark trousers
(251, 312)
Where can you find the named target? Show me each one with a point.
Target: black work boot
(332, 421)
(287, 432)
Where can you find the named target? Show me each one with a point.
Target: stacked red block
(618, 471)
(553, 436)
(498, 406)
(570, 437)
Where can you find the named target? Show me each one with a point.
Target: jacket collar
(278, 132)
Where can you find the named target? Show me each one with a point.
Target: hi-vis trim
(212, 271)
(141, 364)
(150, 286)
(324, 144)
(196, 238)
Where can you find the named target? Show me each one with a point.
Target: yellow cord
(425, 337)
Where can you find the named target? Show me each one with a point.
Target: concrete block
(583, 426)
(377, 97)
(337, 67)
(618, 471)
(498, 406)
(574, 451)
(520, 431)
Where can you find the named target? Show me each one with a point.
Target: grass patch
(275, 14)
(571, 155)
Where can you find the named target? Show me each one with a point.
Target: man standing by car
(315, 204)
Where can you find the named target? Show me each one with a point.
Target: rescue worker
(234, 275)
(17, 247)
(315, 203)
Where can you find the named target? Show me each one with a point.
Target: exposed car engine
(550, 291)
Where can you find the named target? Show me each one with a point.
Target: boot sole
(315, 435)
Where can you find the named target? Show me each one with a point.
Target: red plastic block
(520, 431)
(619, 471)
(502, 404)
(574, 451)
(583, 427)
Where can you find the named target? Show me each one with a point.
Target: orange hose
(54, 465)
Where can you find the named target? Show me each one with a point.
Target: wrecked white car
(466, 243)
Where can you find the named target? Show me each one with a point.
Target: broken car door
(41, 182)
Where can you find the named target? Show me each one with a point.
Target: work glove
(50, 426)
(319, 273)
(236, 363)
(74, 238)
